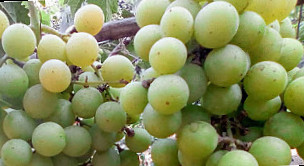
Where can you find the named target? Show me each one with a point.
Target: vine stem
(49, 30)
(299, 21)
(230, 134)
(35, 20)
(3, 59)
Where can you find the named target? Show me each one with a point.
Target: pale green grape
(194, 113)
(49, 139)
(239, 158)
(149, 74)
(32, 68)
(101, 140)
(84, 158)
(186, 161)
(214, 159)
(131, 119)
(51, 47)
(240, 6)
(253, 134)
(38, 160)
(168, 55)
(108, 158)
(16, 102)
(192, 6)
(292, 73)
(92, 77)
(294, 96)
(16, 152)
(128, 158)
(115, 92)
(275, 25)
(3, 138)
(63, 114)
(63, 160)
(165, 152)
(298, 74)
(140, 141)
(216, 24)
(287, 30)
(119, 136)
(4, 22)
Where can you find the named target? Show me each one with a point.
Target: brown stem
(299, 20)
(300, 2)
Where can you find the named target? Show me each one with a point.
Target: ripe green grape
(271, 151)
(216, 24)
(149, 74)
(82, 49)
(159, 125)
(131, 119)
(116, 69)
(265, 80)
(101, 140)
(215, 158)
(165, 152)
(150, 12)
(240, 6)
(222, 101)
(62, 159)
(63, 114)
(192, 6)
(32, 68)
(108, 158)
(196, 79)
(86, 101)
(128, 158)
(115, 92)
(253, 134)
(92, 77)
(168, 55)
(186, 161)
(140, 141)
(14, 81)
(232, 61)
(38, 160)
(133, 98)
(292, 73)
(89, 18)
(293, 97)
(16, 152)
(286, 126)
(144, 40)
(177, 22)
(194, 113)
(239, 158)
(4, 22)
(287, 30)
(51, 47)
(39, 103)
(110, 117)
(168, 94)
(3, 138)
(18, 41)
(291, 53)
(275, 25)
(55, 76)
(298, 74)
(49, 139)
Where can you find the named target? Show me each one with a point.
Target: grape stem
(230, 134)
(35, 20)
(299, 20)
(5, 103)
(49, 30)
(3, 59)
(238, 143)
(95, 83)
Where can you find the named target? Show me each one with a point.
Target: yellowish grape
(239, 5)
(287, 30)
(191, 5)
(4, 22)
(149, 74)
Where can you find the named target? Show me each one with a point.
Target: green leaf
(109, 7)
(16, 12)
(46, 18)
(75, 5)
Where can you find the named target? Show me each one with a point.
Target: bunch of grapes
(223, 89)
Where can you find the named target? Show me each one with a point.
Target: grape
(16, 152)
(92, 77)
(262, 110)
(49, 139)
(140, 141)
(214, 159)
(119, 136)
(62, 159)
(240, 6)
(287, 30)
(14, 81)
(286, 126)
(159, 125)
(291, 53)
(38, 160)
(271, 151)
(101, 141)
(251, 24)
(32, 68)
(3, 138)
(164, 152)
(144, 40)
(168, 94)
(39, 103)
(55, 76)
(292, 73)
(82, 49)
(89, 18)
(150, 12)
(293, 97)
(108, 158)
(194, 113)
(18, 41)
(192, 6)
(298, 74)
(128, 158)
(233, 63)
(253, 134)
(185, 161)
(116, 69)
(222, 101)
(115, 92)
(110, 117)
(216, 24)
(131, 119)
(51, 47)
(86, 157)
(86, 101)
(275, 25)
(197, 140)
(63, 114)
(196, 79)
(78, 141)
(4, 22)
(168, 55)
(239, 158)
(149, 74)
(265, 80)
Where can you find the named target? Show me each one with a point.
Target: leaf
(16, 12)
(109, 7)
(46, 18)
(75, 5)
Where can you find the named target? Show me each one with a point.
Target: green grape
(108, 158)
(14, 81)
(222, 101)
(168, 55)
(292, 73)
(194, 113)
(133, 98)
(82, 49)
(271, 151)
(18, 125)
(177, 22)
(18, 41)
(291, 53)
(298, 74)
(128, 158)
(116, 69)
(149, 74)
(216, 24)
(275, 25)
(239, 158)
(232, 61)
(51, 47)
(119, 136)
(287, 30)
(253, 134)
(78, 141)
(268, 48)
(262, 110)
(32, 68)
(293, 97)
(165, 152)
(140, 141)
(115, 92)
(265, 80)
(4, 22)
(186, 161)
(192, 6)
(131, 119)
(110, 117)
(214, 159)
(159, 125)
(63, 160)
(49, 139)
(86, 157)
(197, 140)
(86, 101)
(196, 79)
(63, 114)
(3, 138)
(15, 102)
(150, 12)
(101, 140)
(251, 24)
(38, 160)
(168, 94)
(286, 126)
(92, 77)
(89, 18)
(16, 152)
(55, 76)
(144, 40)
(240, 6)
(39, 103)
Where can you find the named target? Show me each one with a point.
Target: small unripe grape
(275, 25)
(32, 68)
(291, 53)
(128, 158)
(298, 74)
(292, 73)
(101, 140)
(62, 159)
(107, 158)
(165, 152)
(140, 141)
(194, 113)
(294, 96)
(238, 157)
(287, 30)
(3, 139)
(4, 22)
(186, 161)
(192, 6)
(149, 74)
(92, 77)
(239, 5)
(63, 114)
(215, 158)
(38, 160)
(16, 152)
(253, 134)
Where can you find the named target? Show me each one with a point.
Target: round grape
(32, 68)
(140, 141)
(16, 152)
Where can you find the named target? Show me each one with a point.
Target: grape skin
(107, 158)
(92, 77)
(128, 158)
(165, 152)
(214, 159)
(38, 160)
(16, 152)
(32, 68)
(101, 140)
(287, 30)
(192, 6)
(4, 22)
(140, 141)
(238, 157)
(293, 96)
